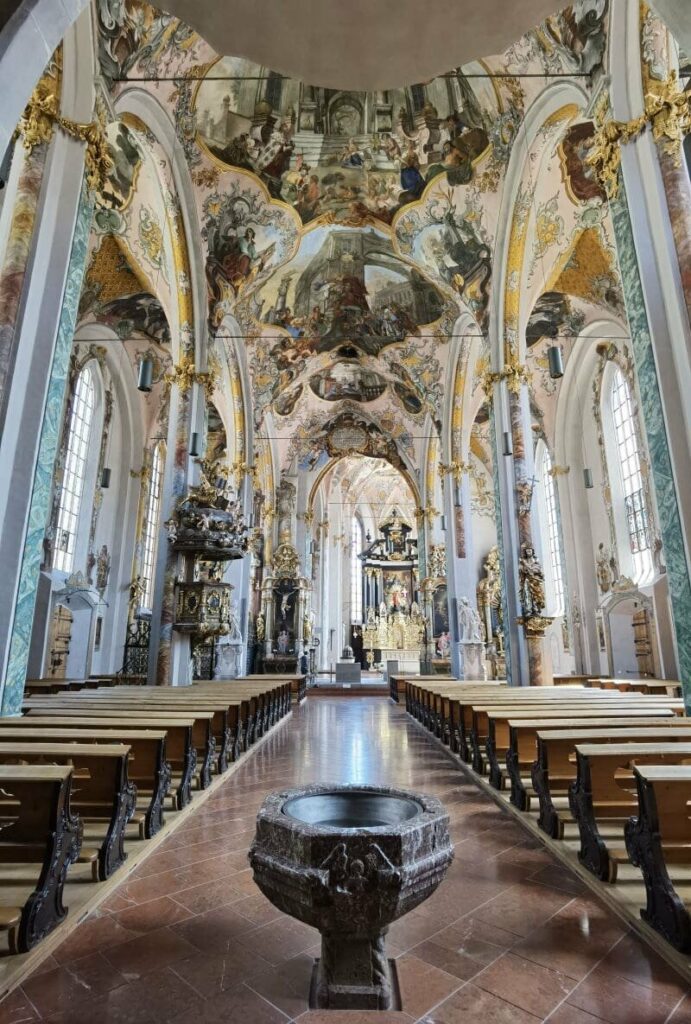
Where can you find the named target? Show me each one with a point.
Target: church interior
(345, 516)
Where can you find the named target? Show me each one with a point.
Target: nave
(511, 935)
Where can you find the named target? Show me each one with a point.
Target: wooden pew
(225, 720)
(202, 724)
(180, 747)
(398, 681)
(101, 790)
(554, 769)
(38, 686)
(671, 687)
(37, 828)
(658, 841)
(148, 768)
(479, 731)
(516, 736)
(605, 791)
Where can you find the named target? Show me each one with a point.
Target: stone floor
(510, 938)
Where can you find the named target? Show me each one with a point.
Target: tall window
(635, 507)
(150, 536)
(74, 475)
(355, 570)
(552, 530)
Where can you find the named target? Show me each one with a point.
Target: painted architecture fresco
(345, 233)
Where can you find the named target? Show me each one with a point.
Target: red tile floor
(511, 937)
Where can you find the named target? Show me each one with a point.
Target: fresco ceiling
(344, 232)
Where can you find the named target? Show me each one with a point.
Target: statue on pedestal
(469, 622)
(532, 583)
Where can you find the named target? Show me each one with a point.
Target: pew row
(587, 767)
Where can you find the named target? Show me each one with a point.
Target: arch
(407, 476)
(555, 97)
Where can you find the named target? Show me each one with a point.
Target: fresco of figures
(346, 157)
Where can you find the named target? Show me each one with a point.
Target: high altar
(395, 629)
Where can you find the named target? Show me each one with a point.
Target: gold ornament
(667, 113)
(515, 374)
(42, 116)
(185, 374)
(456, 469)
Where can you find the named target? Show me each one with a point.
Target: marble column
(677, 185)
(659, 325)
(539, 663)
(21, 621)
(517, 666)
(25, 200)
(164, 668)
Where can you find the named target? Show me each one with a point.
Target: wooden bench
(605, 791)
(38, 827)
(512, 737)
(225, 722)
(671, 687)
(479, 732)
(180, 747)
(398, 681)
(202, 725)
(554, 769)
(658, 841)
(101, 790)
(148, 768)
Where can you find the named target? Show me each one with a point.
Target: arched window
(151, 523)
(74, 474)
(355, 570)
(551, 534)
(629, 476)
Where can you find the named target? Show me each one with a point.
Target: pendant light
(588, 479)
(555, 361)
(146, 375)
(194, 446)
(508, 443)
(105, 478)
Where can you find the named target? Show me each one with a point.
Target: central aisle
(510, 938)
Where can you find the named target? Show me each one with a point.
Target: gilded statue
(532, 583)
(260, 627)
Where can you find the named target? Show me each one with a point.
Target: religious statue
(437, 561)
(285, 506)
(605, 566)
(136, 593)
(234, 632)
(283, 642)
(444, 645)
(532, 583)
(469, 622)
(102, 569)
(260, 627)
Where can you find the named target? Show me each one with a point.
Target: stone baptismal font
(351, 860)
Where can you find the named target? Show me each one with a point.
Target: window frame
(549, 519)
(82, 449)
(357, 535)
(151, 527)
(625, 457)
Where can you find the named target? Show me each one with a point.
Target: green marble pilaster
(13, 688)
(653, 419)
